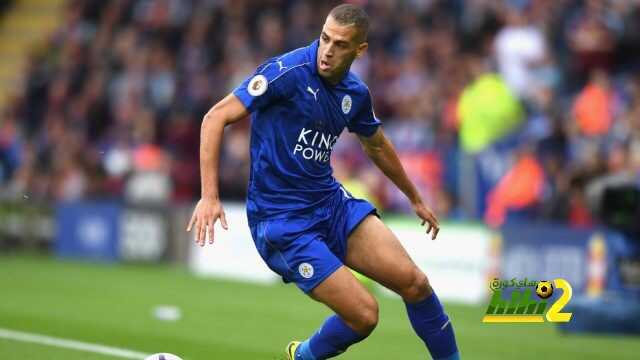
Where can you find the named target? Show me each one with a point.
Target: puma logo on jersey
(282, 67)
(345, 192)
(314, 93)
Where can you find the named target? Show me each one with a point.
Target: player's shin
(434, 328)
(332, 339)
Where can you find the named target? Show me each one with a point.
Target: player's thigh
(376, 252)
(348, 298)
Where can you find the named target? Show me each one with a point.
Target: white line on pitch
(70, 344)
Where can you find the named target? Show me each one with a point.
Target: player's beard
(334, 73)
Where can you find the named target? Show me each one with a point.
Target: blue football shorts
(305, 249)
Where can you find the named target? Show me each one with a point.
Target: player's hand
(427, 216)
(205, 215)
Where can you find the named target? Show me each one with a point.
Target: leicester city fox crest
(306, 270)
(346, 104)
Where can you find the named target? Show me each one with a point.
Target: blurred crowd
(494, 106)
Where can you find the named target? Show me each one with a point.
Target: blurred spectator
(488, 111)
(10, 148)
(520, 48)
(593, 108)
(591, 37)
(519, 189)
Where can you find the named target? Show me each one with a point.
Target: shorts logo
(306, 270)
(346, 104)
(257, 85)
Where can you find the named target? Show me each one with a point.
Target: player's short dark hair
(348, 14)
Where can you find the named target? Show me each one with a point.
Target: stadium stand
(120, 87)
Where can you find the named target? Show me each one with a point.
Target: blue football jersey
(296, 119)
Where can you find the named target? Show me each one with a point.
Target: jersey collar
(313, 57)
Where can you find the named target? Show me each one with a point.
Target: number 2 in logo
(554, 314)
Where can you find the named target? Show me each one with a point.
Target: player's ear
(362, 48)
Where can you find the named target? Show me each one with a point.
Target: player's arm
(381, 151)
(209, 208)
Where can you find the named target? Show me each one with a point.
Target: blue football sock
(333, 338)
(434, 328)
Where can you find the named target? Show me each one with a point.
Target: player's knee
(369, 317)
(366, 318)
(417, 288)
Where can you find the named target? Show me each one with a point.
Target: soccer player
(305, 225)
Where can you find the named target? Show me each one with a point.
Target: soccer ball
(162, 356)
(544, 289)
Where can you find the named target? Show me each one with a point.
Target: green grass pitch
(112, 305)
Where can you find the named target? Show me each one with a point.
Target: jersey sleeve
(365, 122)
(266, 86)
